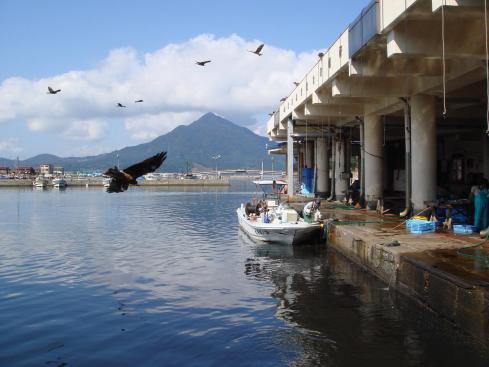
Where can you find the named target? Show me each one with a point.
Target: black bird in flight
(121, 105)
(271, 113)
(258, 50)
(138, 101)
(120, 180)
(52, 91)
(202, 63)
(296, 84)
(283, 99)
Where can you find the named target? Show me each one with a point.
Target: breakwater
(98, 181)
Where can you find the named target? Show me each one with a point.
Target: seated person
(310, 210)
(353, 193)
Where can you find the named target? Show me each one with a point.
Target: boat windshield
(271, 188)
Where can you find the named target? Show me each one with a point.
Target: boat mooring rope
(487, 66)
(484, 258)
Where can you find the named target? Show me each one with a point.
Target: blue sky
(103, 52)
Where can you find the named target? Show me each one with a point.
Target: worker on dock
(481, 207)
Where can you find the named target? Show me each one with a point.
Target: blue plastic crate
(463, 229)
(418, 226)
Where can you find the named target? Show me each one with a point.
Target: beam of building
(320, 111)
(423, 38)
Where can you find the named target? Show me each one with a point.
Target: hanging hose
(487, 66)
(484, 258)
(443, 61)
(359, 222)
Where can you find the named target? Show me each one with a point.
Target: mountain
(194, 144)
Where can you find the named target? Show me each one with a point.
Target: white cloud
(10, 146)
(175, 90)
(86, 130)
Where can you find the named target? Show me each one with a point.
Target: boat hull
(284, 233)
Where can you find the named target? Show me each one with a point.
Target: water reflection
(157, 277)
(343, 316)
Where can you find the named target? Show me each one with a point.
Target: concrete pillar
(362, 161)
(332, 185)
(341, 181)
(309, 153)
(290, 157)
(485, 147)
(374, 160)
(423, 150)
(322, 166)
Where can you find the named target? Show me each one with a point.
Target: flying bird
(52, 91)
(138, 101)
(120, 180)
(121, 105)
(271, 113)
(202, 63)
(283, 99)
(296, 84)
(258, 50)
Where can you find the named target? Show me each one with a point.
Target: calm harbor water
(154, 277)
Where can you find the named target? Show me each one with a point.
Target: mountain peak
(211, 116)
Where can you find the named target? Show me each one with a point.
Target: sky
(104, 52)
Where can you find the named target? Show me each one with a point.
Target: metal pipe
(408, 173)
(332, 196)
(362, 159)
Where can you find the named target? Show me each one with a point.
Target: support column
(423, 152)
(322, 167)
(374, 160)
(341, 181)
(332, 186)
(290, 157)
(485, 147)
(362, 162)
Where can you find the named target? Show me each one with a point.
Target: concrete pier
(423, 140)
(341, 182)
(374, 159)
(322, 166)
(414, 73)
(425, 267)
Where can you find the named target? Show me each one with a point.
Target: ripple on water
(153, 277)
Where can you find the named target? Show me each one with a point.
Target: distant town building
(46, 169)
(24, 171)
(4, 170)
(58, 171)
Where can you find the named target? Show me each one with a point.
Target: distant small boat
(59, 183)
(106, 182)
(40, 182)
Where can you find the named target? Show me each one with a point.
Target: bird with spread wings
(258, 50)
(203, 63)
(53, 91)
(120, 180)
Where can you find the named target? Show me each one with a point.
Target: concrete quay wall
(426, 268)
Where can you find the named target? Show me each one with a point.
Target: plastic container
(308, 178)
(418, 226)
(463, 229)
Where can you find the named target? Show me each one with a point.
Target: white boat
(278, 224)
(40, 182)
(106, 182)
(59, 183)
